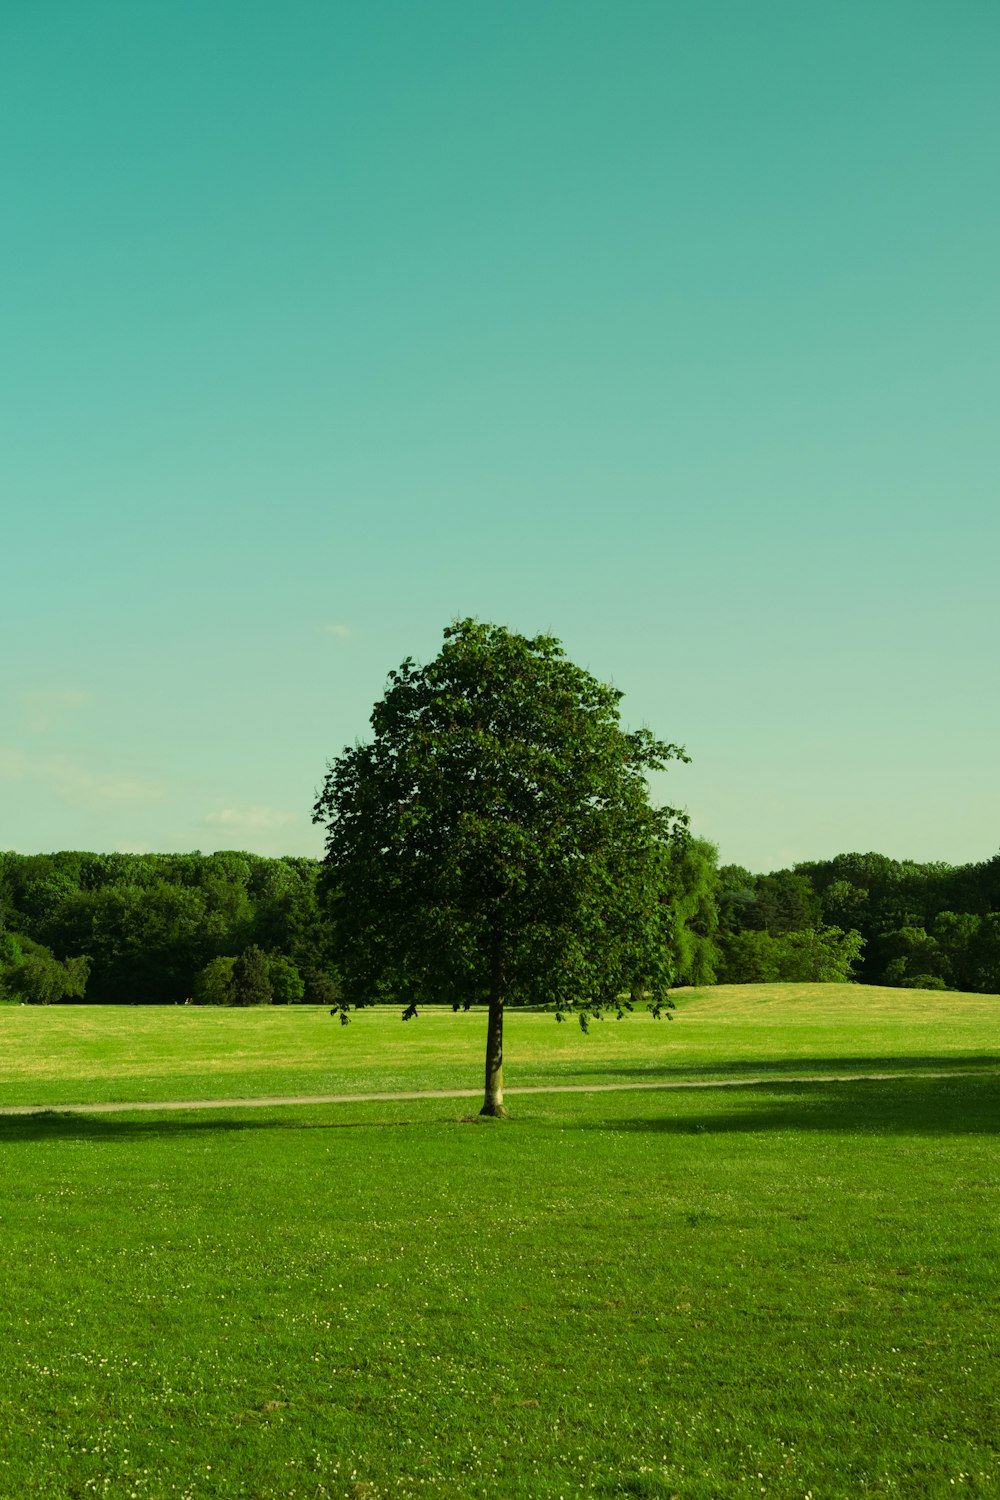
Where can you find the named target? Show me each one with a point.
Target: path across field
(270, 1100)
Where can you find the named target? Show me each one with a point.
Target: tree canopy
(150, 925)
(495, 841)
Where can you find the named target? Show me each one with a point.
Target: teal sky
(672, 328)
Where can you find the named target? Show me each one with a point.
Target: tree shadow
(753, 1068)
(56, 1125)
(968, 1105)
(908, 1102)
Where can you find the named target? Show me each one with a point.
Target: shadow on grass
(967, 1105)
(53, 1125)
(786, 1066)
(960, 1105)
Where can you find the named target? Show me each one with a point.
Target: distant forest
(238, 929)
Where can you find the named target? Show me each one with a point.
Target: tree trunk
(493, 1101)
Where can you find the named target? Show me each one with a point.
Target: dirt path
(270, 1100)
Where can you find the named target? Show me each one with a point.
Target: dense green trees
(772, 930)
(167, 928)
(150, 925)
(925, 926)
(228, 981)
(495, 842)
(931, 926)
(813, 955)
(29, 973)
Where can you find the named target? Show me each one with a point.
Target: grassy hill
(80, 1054)
(785, 1289)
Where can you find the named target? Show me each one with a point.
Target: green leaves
(34, 976)
(250, 981)
(499, 802)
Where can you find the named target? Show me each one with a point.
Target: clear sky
(670, 327)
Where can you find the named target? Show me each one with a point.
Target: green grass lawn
(785, 1290)
(79, 1054)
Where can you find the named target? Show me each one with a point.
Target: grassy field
(80, 1054)
(785, 1290)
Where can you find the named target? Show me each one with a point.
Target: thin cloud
(14, 764)
(342, 632)
(80, 785)
(251, 819)
(48, 708)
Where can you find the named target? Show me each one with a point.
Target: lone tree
(495, 841)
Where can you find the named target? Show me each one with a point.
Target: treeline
(861, 917)
(924, 926)
(163, 929)
(238, 929)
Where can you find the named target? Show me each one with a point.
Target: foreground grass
(82, 1054)
(788, 1290)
